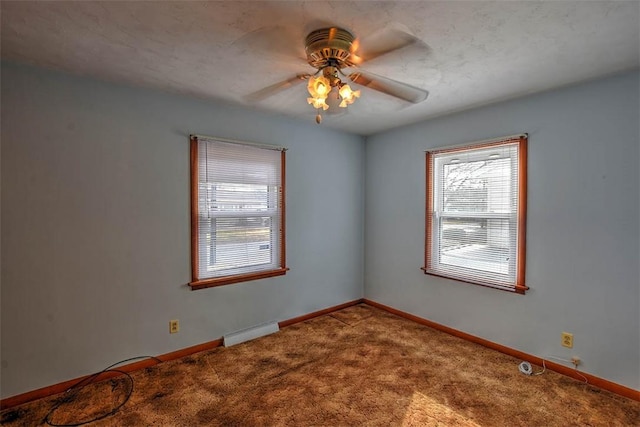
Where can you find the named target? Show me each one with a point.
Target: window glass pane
(239, 242)
(221, 198)
(478, 244)
(238, 197)
(478, 186)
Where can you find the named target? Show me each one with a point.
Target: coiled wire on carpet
(75, 388)
(527, 369)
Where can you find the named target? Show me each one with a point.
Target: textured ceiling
(476, 52)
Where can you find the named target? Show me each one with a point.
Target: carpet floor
(359, 366)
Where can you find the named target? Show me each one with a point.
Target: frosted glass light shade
(319, 87)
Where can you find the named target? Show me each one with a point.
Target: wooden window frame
(519, 286)
(196, 281)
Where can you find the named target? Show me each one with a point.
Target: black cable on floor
(75, 388)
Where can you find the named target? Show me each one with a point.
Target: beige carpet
(356, 367)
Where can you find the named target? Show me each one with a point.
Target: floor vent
(250, 333)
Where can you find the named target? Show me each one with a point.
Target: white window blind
(239, 209)
(474, 216)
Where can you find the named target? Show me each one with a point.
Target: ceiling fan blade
(277, 88)
(384, 41)
(388, 86)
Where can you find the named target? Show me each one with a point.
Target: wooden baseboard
(570, 372)
(63, 386)
(561, 369)
(302, 318)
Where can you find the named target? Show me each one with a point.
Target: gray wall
(583, 226)
(95, 225)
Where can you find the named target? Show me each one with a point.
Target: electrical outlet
(567, 340)
(174, 326)
(576, 361)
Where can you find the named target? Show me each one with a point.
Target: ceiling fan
(332, 50)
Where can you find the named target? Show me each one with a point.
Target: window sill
(518, 289)
(228, 280)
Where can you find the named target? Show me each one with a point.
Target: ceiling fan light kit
(320, 88)
(329, 51)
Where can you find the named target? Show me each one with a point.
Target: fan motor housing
(329, 46)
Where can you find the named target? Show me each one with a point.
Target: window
(476, 207)
(237, 212)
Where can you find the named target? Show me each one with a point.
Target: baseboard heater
(250, 333)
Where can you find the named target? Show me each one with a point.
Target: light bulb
(321, 89)
(318, 103)
(318, 87)
(348, 96)
(345, 92)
